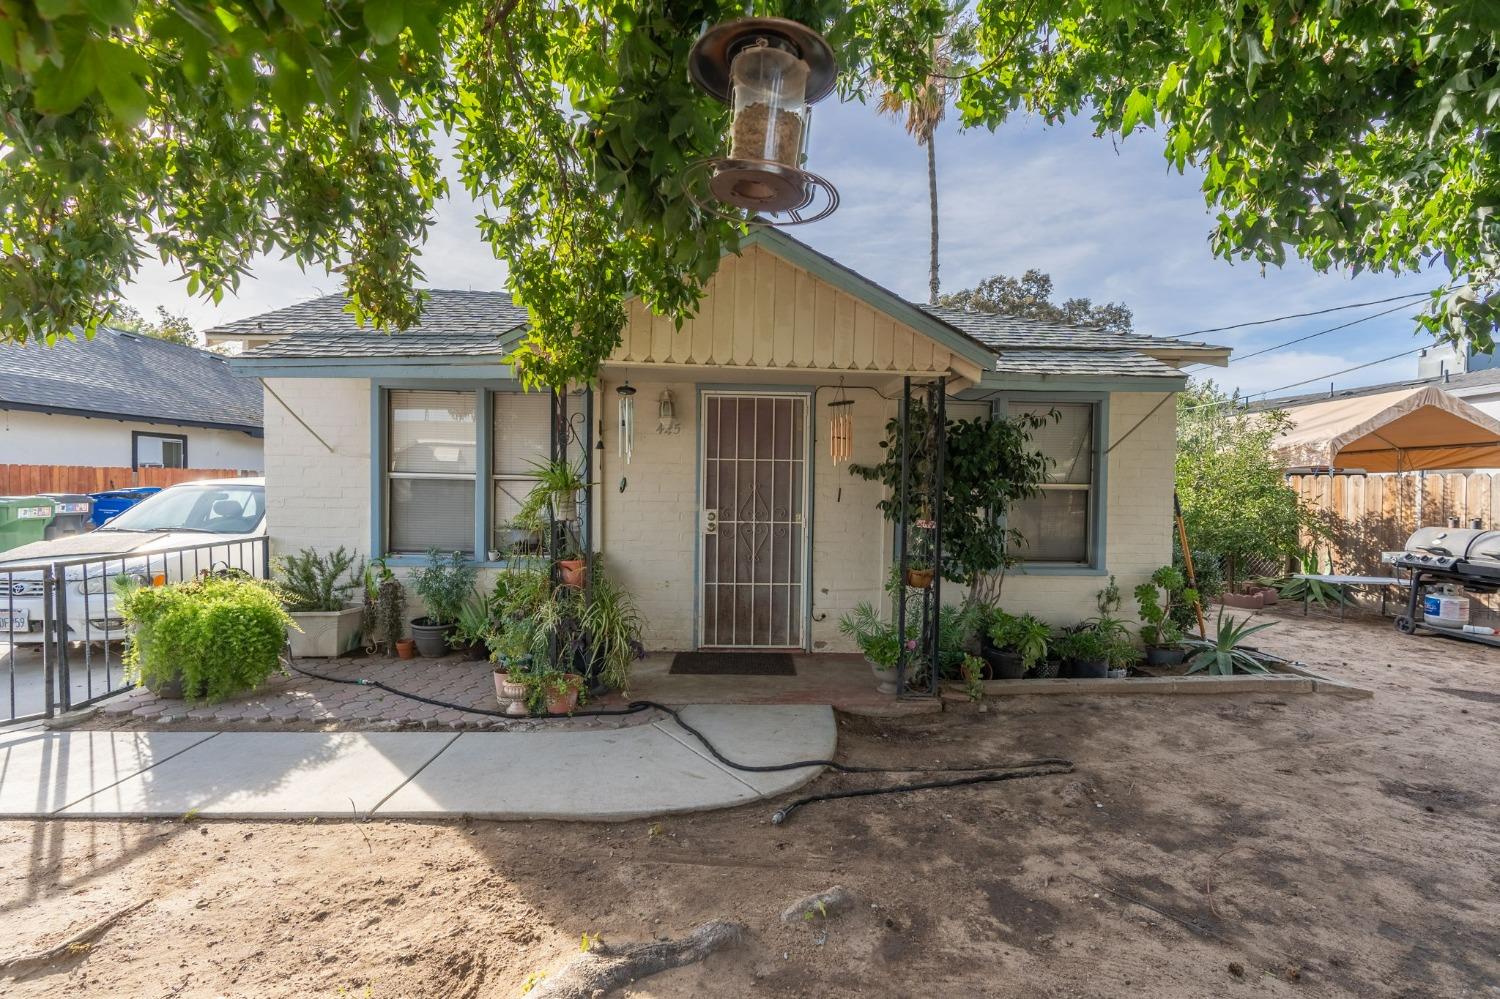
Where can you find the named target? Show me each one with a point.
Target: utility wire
(1309, 381)
(1311, 336)
(1301, 315)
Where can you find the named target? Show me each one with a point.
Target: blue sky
(1108, 220)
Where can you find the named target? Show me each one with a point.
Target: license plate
(17, 621)
(72, 508)
(33, 512)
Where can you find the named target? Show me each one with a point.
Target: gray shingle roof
(1024, 361)
(470, 323)
(1469, 379)
(454, 323)
(128, 375)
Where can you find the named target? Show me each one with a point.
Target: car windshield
(218, 509)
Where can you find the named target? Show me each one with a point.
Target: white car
(173, 535)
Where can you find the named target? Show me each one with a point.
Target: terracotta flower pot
(564, 703)
(572, 571)
(406, 648)
(919, 578)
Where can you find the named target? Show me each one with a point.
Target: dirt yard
(1206, 846)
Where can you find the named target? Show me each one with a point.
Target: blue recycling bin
(113, 502)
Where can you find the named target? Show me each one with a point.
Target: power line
(1319, 378)
(1310, 336)
(1301, 315)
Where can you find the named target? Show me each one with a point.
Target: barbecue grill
(1468, 556)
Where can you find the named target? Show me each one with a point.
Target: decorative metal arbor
(927, 641)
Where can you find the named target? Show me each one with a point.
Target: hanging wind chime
(626, 395)
(840, 428)
(770, 71)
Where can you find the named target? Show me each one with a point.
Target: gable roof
(487, 324)
(128, 376)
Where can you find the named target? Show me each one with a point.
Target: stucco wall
(314, 498)
(46, 439)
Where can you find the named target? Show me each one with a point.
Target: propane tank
(1446, 606)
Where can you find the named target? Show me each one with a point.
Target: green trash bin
(24, 519)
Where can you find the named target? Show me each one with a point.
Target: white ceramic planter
(325, 634)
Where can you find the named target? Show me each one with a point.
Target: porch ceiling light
(626, 395)
(770, 71)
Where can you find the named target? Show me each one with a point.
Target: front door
(754, 532)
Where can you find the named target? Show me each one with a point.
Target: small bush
(314, 581)
(223, 635)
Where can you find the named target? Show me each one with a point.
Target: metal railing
(64, 637)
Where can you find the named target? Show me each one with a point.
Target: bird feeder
(770, 71)
(626, 395)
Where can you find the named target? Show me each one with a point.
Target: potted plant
(316, 588)
(572, 569)
(383, 616)
(557, 486)
(1087, 651)
(919, 567)
(206, 639)
(475, 622)
(997, 645)
(551, 692)
(1026, 638)
(1158, 600)
(1122, 656)
(611, 624)
(444, 584)
(511, 649)
(1222, 655)
(877, 639)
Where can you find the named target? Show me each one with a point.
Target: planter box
(325, 634)
(1244, 601)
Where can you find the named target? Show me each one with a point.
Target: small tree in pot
(445, 584)
(1158, 601)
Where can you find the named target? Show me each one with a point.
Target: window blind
(1055, 524)
(521, 434)
(432, 432)
(1068, 441)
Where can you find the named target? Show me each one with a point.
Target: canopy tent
(1407, 430)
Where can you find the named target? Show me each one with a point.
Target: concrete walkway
(654, 768)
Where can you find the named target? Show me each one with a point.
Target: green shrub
(223, 635)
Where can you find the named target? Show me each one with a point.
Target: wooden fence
(25, 480)
(1369, 514)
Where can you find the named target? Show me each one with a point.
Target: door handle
(710, 522)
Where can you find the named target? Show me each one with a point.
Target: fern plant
(612, 624)
(314, 581)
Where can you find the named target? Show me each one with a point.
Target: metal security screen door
(754, 485)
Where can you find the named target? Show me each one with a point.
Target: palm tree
(924, 109)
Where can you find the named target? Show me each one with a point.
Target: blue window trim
(380, 390)
(1098, 494)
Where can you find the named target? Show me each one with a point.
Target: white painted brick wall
(314, 498)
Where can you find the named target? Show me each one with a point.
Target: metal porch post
(938, 411)
(905, 513)
(586, 523)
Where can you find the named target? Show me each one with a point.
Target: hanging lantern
(666, 414)
(840, 428)
(770, 71)
(626, 393)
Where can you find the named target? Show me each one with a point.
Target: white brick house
(387, 444)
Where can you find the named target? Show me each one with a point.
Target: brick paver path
(300, 701)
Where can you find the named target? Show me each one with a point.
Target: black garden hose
(979, 774)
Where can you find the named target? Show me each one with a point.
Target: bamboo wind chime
(840, 429)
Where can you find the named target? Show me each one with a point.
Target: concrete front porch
(300, 703)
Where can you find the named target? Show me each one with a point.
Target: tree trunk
(932, 204)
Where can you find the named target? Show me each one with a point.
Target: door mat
(733, 664)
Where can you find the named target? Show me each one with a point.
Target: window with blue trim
(1058, 524)
(458, 465)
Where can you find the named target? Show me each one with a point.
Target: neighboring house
(389, 444)
(1477, 386)
(126, 400)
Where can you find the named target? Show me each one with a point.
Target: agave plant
(1223, 656)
